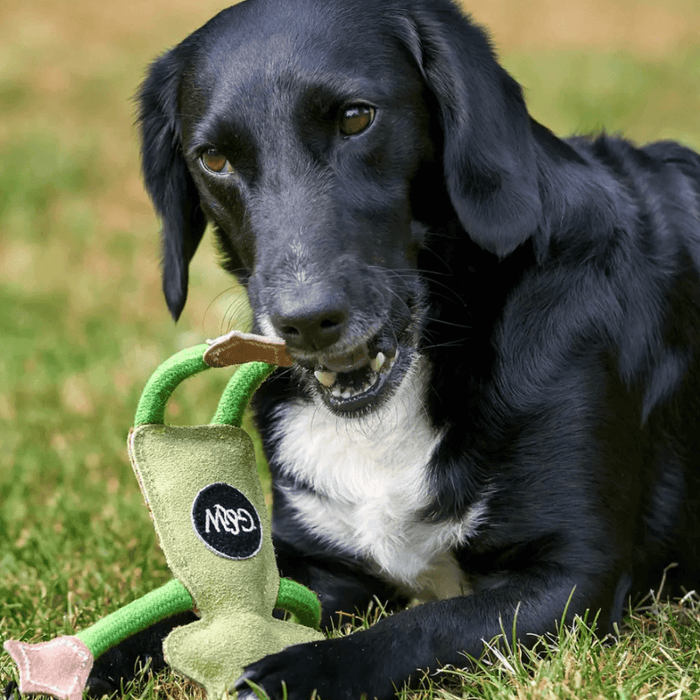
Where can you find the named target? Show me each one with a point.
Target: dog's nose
(310, 320)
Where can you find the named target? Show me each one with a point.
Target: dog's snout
(310, 320)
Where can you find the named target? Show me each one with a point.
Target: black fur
(551, 285)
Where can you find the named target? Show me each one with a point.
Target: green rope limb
(300, 601)
(170, 599)
(184, 364)
(174, 598)
(238, 392)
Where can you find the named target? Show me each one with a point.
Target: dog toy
(206, 502)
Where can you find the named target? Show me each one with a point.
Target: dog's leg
(343, 589)
(381, 659)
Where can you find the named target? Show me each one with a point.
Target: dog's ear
(167, 178)
(489, 158)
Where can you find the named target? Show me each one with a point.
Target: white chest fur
(369, 481)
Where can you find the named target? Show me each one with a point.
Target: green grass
(657, 656)
(83, 325)
(644, 98)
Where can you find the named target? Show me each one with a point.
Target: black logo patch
(227, 522)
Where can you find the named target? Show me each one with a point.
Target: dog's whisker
(443, 322)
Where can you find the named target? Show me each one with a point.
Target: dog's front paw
(336, 669)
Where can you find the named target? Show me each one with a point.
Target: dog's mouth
(359, 380)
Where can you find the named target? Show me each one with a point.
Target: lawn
(83, 323)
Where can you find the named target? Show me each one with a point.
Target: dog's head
(326, 143)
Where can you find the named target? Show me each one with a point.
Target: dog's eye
(355, 119)
(216, 162)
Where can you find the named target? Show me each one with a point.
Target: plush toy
(207, 505)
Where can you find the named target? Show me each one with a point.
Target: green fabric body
(234, 598)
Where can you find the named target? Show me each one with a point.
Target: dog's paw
(114, 670)
(335, 669)
(11, 691)
(97, 687)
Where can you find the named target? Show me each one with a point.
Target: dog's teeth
(378, 362)
(326, 378)
(374, 371)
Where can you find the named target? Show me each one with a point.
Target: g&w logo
(227, 522)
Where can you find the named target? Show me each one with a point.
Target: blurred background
(82, 319)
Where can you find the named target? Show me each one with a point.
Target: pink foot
(59, 667)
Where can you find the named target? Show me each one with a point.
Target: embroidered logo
(227, 522)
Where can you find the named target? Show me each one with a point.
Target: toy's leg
(61, 667)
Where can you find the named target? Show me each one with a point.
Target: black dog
(495, 407)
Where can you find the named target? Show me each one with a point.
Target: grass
(657, 656)
(82, 323)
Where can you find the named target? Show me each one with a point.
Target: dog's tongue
(236, 348)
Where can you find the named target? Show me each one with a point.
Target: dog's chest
(369, 484)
